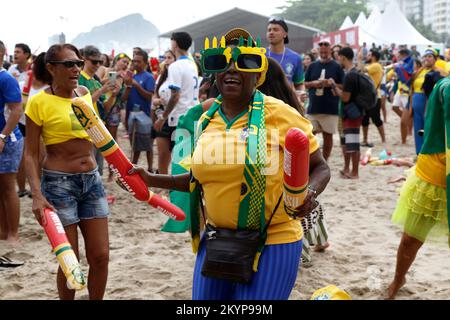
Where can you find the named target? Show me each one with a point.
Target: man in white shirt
(19, 70)
(22, 55)
(182, 80)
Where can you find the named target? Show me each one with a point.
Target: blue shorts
(76, 197)
(11, 156)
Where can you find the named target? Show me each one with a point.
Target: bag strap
(268, 223)
(273, 213)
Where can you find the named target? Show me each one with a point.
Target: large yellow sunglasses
(247, 59)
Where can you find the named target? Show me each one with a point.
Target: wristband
(315, 193)
(4, 137)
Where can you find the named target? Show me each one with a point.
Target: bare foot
(321, 248)
(344, 174)
(396, 179)
(13, 241)
(393, 289)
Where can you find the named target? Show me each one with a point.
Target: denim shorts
(76, 197)
(11, 156)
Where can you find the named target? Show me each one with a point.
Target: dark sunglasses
(93, 61)
(324, 44)
(69, 63)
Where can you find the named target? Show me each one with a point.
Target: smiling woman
(242, 197)
(70, 185)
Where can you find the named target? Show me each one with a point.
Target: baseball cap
(282, 23)
(324, 41)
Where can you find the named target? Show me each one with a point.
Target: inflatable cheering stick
(367, 157)
(118, 162)
(296, 169)
(63, 250)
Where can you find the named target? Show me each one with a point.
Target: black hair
(107, 60)
(376, 54)
(2, 48)
(26, 49)
(311, 56)
(91, 51)
(404, 52)
(143, 54)
(278, 86)
(347, 52)
(183, 40)
(418, 63)
(53, 54)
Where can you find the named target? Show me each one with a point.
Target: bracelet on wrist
(314, 191)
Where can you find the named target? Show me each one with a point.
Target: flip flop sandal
(368, 145)
(6, 262)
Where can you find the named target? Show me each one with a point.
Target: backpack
(367, 95)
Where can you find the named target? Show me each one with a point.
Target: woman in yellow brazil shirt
(219, 166)
(70, 183)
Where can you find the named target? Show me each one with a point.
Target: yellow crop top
(54, 114)
(218, 164)
(419, 81)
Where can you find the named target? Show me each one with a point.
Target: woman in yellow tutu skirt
(422, 207)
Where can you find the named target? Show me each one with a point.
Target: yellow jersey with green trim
(56, 117)
(218, 164)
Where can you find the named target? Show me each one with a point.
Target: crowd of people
(240, 94)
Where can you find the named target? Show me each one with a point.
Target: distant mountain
(121, 35)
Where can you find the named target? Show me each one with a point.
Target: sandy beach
(148, 264)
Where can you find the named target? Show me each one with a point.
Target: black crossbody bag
(230, 254)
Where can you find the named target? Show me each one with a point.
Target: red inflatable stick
(118, 162)
(296, 168)
(367, 157)
(63, 250)
(134, 184)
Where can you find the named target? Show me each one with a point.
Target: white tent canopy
(348, 23)
(392, 27)
(361, 21)
(373, 18)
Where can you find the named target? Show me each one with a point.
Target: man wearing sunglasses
(103, 96)
(290, 61)
(323, 107)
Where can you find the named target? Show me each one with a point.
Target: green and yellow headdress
(238, 45)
